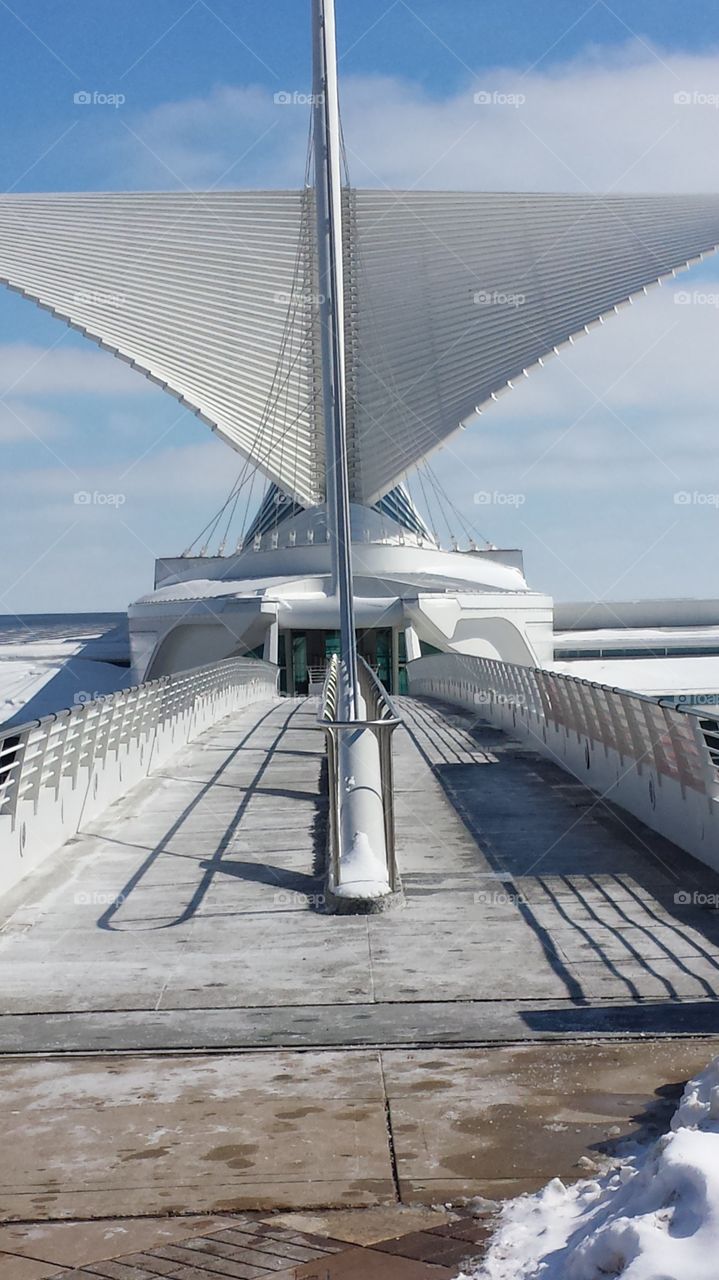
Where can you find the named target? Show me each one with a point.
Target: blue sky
(597, 445)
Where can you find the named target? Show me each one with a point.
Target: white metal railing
(316, 679)
(657, 761)
(58, 772)
(362, 861)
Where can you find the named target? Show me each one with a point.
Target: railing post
(362, 861)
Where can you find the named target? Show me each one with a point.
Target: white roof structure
(459, 294)
(450, 298)
(200, 292)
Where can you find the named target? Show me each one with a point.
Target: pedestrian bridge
(183, 929)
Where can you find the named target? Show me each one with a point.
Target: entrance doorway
(302, 651)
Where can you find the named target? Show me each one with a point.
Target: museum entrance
(305, 653)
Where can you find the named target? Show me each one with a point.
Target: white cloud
(605, 120)
(200, 471)
(235, 136)
(25, 422)
(99, 553)
(585, 126)
(28, 369)
(634, 402)
(655, 356)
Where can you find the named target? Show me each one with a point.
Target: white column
(411, 640)
(272, 641)
(330, 247)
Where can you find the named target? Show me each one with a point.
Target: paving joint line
(407, 1046)
(392, 1150)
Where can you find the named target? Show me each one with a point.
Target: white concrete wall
(507, 626)
(652, 761)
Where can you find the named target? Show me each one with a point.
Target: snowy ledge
(654, 1216)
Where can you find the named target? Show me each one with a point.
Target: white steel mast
(328, 196)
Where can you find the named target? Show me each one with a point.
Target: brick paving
(248, 1248)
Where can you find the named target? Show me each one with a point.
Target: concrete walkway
(185, 1031)
(544, 893)
(190, 915)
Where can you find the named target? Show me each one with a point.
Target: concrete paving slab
(146, 918)
(589, 875)
(445, 962)
(381, 1025)
(366, 1226)
(13, 1267)
(75, 1244)
(91, 1137)
(469, 1122)
(656, 942)
(648, 979)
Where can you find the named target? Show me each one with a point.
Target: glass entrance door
(313, 649)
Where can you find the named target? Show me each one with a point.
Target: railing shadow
(599, 890)
(265, 872)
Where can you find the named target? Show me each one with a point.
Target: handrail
(659, 761)
(57, 772)
(362, 871)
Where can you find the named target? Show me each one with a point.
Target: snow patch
(653, 1216)
(362, 874)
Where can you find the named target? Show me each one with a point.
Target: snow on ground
(654, 1216)
(25, 668)
(653, 676)
(46, 675)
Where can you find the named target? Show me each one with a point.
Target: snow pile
(655, 1216)
(363, 874)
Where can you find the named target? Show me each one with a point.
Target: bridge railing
(58, 772)
(658, 762)
(362, 862)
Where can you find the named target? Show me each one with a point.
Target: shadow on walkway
(617, 908)
(257, 871)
